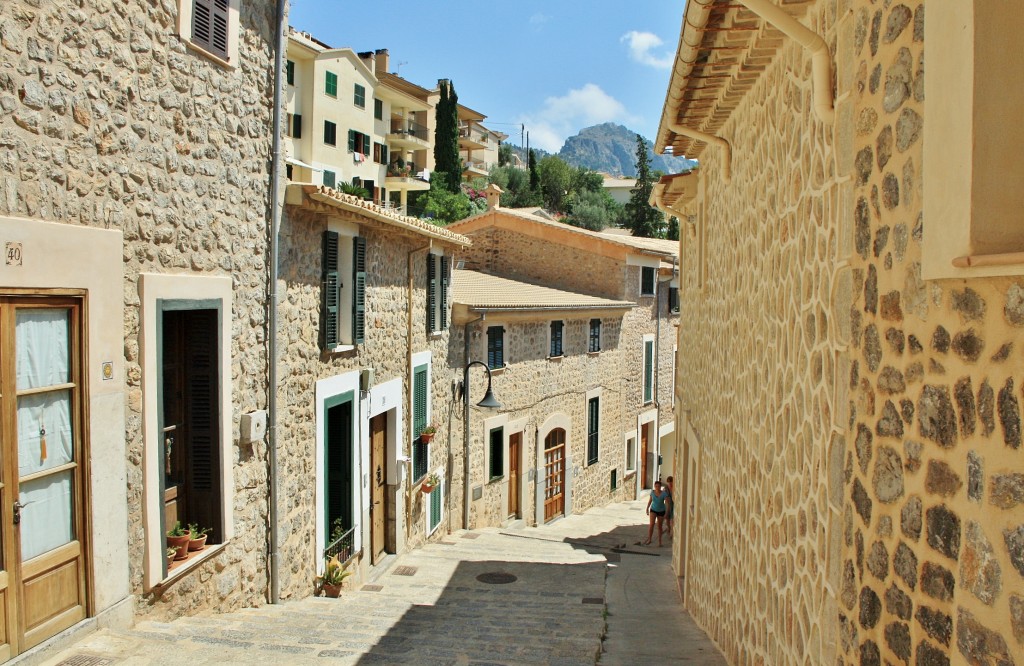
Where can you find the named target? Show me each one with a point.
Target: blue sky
(556, 66)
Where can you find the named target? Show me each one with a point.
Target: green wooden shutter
(435, 508)
(331, 294)
(648, 371)
(338, 476)
(419, 421)
(444, 292)
(352, 140)
(594, 407)
(359, 289)
(431, 294)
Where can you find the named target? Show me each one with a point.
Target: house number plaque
(13, 252)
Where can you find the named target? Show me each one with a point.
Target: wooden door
(378, 485)
(43, 586)
(644, 454)
(554, 474)
(514, 445)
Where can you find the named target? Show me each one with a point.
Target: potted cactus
(334, 577)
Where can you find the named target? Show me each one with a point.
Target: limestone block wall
(933, 565)
(108, 120)
(759, 364)
(522, 257)
(303, 363)
(533, 388)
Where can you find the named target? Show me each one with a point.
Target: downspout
(657, 369)
(821, 59)
(409, 369)
(275, 225)
(465, 422)
(712, 140)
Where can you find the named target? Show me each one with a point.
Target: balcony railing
(408, 171)
(343, 547)
(409, 128)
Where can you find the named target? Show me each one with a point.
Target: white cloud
(539, 19)
(644, 49)
(564, 116)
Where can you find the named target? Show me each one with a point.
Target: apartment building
(850, 355)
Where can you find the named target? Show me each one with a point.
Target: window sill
(594, 353)
(982, 260)
(630, 473)
(556, 358)
(341, 349)
(498, 371)
(180, 568)
(195, 48)
(495, 479)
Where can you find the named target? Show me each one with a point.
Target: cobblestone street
(576, 582)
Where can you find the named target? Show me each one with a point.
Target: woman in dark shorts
(657, 505)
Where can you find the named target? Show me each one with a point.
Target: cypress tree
(446, 137)
(641, 218)
(534, 174)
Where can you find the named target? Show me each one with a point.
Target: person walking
(671, 505)
(656, 508)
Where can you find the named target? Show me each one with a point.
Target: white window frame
(504, 345)
(630, 440)
(324, 390)
(957, 98)
(152, 288)
(500, 421)
(419, 359)
(593, 393)
(185, 11)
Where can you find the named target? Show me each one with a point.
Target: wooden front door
(378, 485)
(644, 455)
(514, 445)
(43, 583)
(554, 474)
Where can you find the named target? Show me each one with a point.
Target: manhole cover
(85, 660)
(404, 571)
(372, 588)
(496, 578)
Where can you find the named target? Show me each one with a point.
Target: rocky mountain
(611, 148)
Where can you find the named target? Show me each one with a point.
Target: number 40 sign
(13, 252)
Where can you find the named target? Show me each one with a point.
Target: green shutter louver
(419, 421)
(435, 508)
(431, 294)
(331, 290)
(359, 290)
(444, 293)
(648, 371)
(352, 140)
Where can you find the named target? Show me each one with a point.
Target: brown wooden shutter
(202, 418)
(210, 26)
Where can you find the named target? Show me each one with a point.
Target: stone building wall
(758, 365)
(933, 567)
(107, 120)
(522, 257)
(385, 350)
(533, 388)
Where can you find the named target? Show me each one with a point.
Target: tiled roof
(642, 245)
(484, 291)
(723, 48)
(354, 204)
(659, 245)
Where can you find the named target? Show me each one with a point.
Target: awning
(300, 163)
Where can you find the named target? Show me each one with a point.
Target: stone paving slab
(569, 576)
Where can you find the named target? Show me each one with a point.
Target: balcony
(471, 138)
(408, 134)
(474, 168)
(405, 178)
(343, 547)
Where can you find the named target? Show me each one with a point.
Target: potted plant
(334, 576)
(178, 538)
(432, 481)
(198, 536)
(171, 552)
(428, 433)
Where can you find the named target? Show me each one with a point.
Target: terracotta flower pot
(197, 544)
(331, 590)
(180, 544)
(425, 437)
(426, 488)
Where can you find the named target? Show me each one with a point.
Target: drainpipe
(712, 140)
(275, 225)
(408, 366)
(821, 59)
(465, 422)
(657, 371)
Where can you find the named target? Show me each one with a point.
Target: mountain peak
(611, 148)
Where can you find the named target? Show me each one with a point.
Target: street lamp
(488, 402)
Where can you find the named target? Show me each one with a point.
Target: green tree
(555, 180)
(444, 206)
(641, 218)
(446, 138)
(534, 175)
(504, 154)
(592, 210)
(672, 233)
